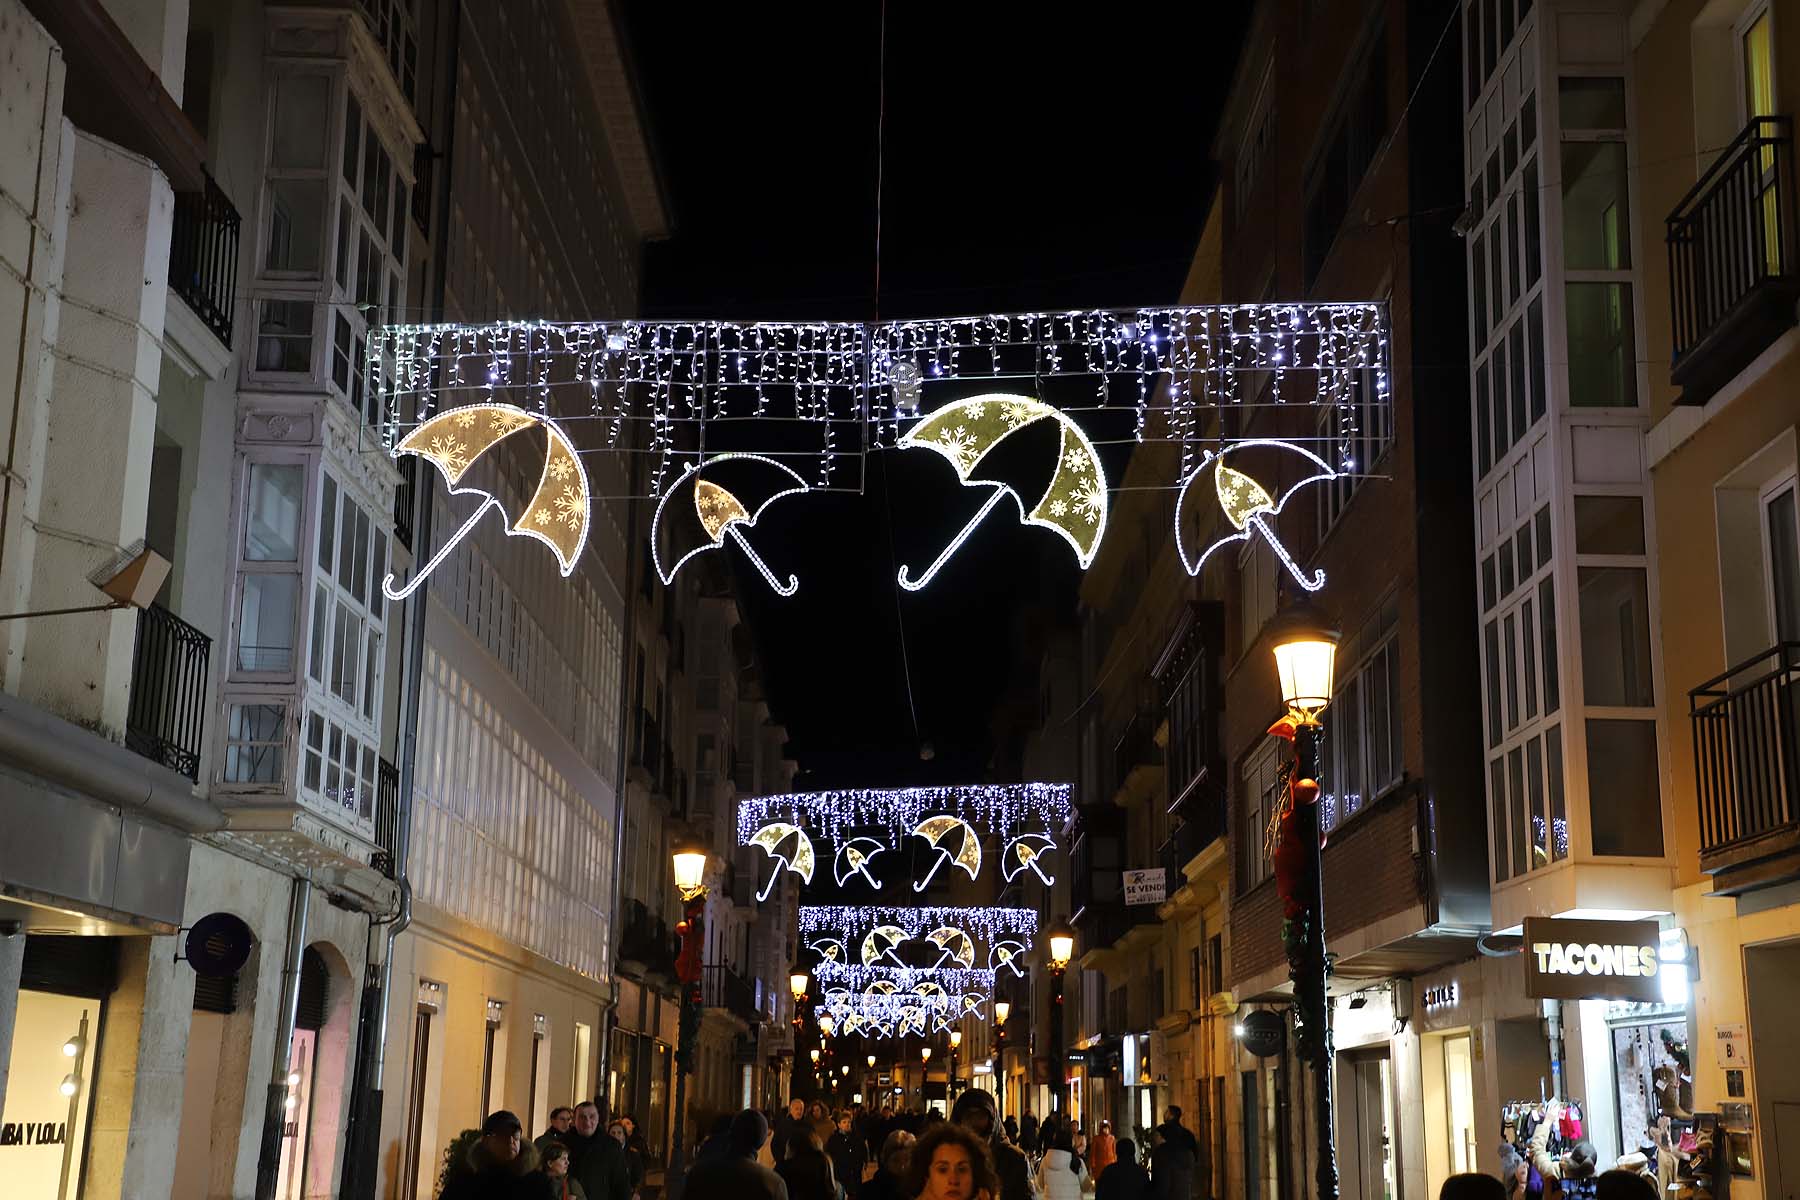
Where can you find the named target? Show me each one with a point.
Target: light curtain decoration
(850, 924)
(817, 397)
(1001, 809)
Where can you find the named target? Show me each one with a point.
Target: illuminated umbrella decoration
(1024, 851)
(720, 498)
(954, 943)
(787, 845)
(1247, 504)
(557, 513)
(830, 949)
(853, 859)
(879, 945)
(1004, 954)
(941, 829)
(1073, 504)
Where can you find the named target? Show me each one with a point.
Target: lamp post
(1305, 661)
(955, 1046)
(689, 859)
(1002, 1010)
(1062, 952)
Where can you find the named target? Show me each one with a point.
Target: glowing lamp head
(72, 1047)
(826, 1024)
(955, 1038)
(924, 1053)
(1305, 660)
(814, 1052)
(689, 858)
(1002, 1009)
(1062, 944)
(871, 1062)
(70, 1084)
(844, 1070)
(1237, 1031)
(797, 983)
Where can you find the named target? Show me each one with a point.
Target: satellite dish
(218, 944)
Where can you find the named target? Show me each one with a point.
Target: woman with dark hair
(951, 1163)
(805, 1168)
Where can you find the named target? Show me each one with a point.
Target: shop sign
(1732, 1045)
(1145, 887)
(1442, 996)
(1263, 1033)
(1567, 959)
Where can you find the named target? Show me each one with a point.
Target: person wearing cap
(500, 1165)
(974, 1110)
(735, 1174)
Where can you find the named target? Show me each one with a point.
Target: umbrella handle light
(942, 858)
(1312, 584)
(1048, 882)
(410, 586)
(793, 581)
(864, 869)
(773, 876)
(913, 585)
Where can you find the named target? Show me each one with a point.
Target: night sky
(1029, 163)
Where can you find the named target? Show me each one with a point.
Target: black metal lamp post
(690, 859)
(1002, 1009)
(1061, 940)
(955, 1049)
(1305, 659)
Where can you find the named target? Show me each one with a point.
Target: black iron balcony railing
(1200, 826)
(203, 250)
(387, 816)
(722, 987)
(1732, 267)
(406, 498)
(166, 721)
(1747, 752)
(646, 939)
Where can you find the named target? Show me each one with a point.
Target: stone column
(94, 474)
(12, 957)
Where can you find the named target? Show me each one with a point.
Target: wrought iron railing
(1201, 823)
(166, 721)
(387, 816)
(203, 250)
(722, 987)
(1733, 232)
(1746, 725)
(406, 498)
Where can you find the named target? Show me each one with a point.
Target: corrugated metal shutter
(314, 991)
(216, 993)
(70, 965)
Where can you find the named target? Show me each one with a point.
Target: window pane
(1528, 632)
(1516, 340)
(1559, 817)
(1497, 806)
(352, 139)
(371, 673)
(266, 623)
(1515, 228)
(272, 512)
(346, 539)
(1609, 525)
(1494, 668)
(315, 744)
(1535, 355)
(1534, 244)
(296, 224)
(377, 572)
(1547, 627)
(1592, 103)
(254, 743)
(340, 352)
(1534, 779)
(1484, 440)
(321, 634)
(1624, 789)
(1522, 542)
(1349, 785)
(1615, 636)
(1602, 346)
(1512, 672)
(1521, 850)
(359, 573)
(1596, 236)
(1784, 565)
(1503, 433)
(1478, 264)
(347, 654)
(1383, 768)
(1507, 578)
(298, 138)
(328, 492)
(284, 336)
(1488, 594)
(1542, 520)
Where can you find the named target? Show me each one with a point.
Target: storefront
(1367, 1093)
(1451, 1053)
(49, 1093)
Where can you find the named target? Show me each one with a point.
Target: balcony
(1198, 829)
(406, 498)
(166, 722)
(1732, 272)
(1137, 760)
(646, 941)
(203, 250)
(387, 816)
(722, 987)
(1746, 725)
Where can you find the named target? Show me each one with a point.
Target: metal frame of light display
(818, 397)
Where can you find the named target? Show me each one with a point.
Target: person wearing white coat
(1060, 1174)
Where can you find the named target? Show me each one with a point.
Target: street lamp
(1002, 1009)
(826, 1024)
(797, 986)
(689, 858)
(1305, 648)
(955, 1045)
(1061, 941)
(871, 1062)
(815, 1055)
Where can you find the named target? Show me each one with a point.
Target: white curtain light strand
(1003, 810)
(849, 924)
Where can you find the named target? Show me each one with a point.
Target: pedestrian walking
(805, 1168)
(784, 1126)
(890, 1171)
(849, 1154)
(1028, 1133)
(1103, 1150)
(596, 1161)
(1173, 1158)
(974, 1111)
(561, 1119)
(1060, 1174)
(951, 1163)
(555, 1169)
(1125, 1177)
(499, 1165)
(735, 1174)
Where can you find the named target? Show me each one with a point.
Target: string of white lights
(832, 974)
(851, 923)
(1006, 809)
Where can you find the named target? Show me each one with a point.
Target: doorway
(1366, 1125)
(1772, 987)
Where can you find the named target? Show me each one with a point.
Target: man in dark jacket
(1124, 1179)
(974, 1111)
(1172, 1161)
(596, 1160)
(784, 1127)
(500, 1165)
(736, 1175)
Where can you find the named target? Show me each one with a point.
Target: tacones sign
(1592, 960)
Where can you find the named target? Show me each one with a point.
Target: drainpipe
(268, 1160)
(1553, 1029)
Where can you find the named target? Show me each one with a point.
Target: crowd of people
(573, 1159)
